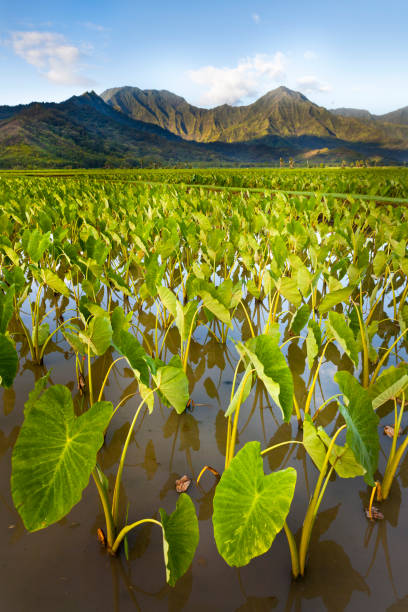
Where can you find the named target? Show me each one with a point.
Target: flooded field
(290, 314)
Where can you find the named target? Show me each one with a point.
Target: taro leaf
(362, 424)
(333, 298)
(172, 384)
(249, 507)
(33, 395)
(389, 385)
(313, 342)
(8, 361)
(338, 328)
(98, 335)
(244, 388)
(379, 262)
(289, 289)
(271, 367)
(184, 318)
(15, 277)
(169, 300)
(35, 243)
(403, 317)
(6, 308)
(119, 322)
(147, 395)
(253, 289)
(180, 538)
(54, 456)
(76, 343)
(342, 457)
(55, 282)
(300, 319)
(43, 333)
(216, 308)
(312, 443)
(304, 280)
(127, 345)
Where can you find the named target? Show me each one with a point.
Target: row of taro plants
(138, 272)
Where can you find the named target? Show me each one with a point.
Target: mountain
(357, 113)
(399, 116)
(129, 127)
(85, 132)
(281, 112)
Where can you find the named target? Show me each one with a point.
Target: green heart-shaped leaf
(180, 538)
(362, 424)
(8, 361)
(54, 456)
(249, 507)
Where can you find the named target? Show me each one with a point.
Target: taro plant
(251, 508)
(8, 353)
(38, 335)
(56, 451)
(391, 385)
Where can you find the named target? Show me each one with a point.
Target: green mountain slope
(280, 112)
(135, 128)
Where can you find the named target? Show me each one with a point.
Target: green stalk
(105, 380)
(294, 554)
(385, 356)
(314, 505)
(190, 333)
(395, 456)
(115, 499)
(229, 418)
(51, 335)
(270, 448)
(110, 529)
(365, 349)
(248, 319)
(90, 375)
(316, 374)
(125, 531)
(236, 418)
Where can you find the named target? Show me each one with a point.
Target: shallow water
(353, 564)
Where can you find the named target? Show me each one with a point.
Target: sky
(351, 53)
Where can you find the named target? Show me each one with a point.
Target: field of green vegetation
(137, 297)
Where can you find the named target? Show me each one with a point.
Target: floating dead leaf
(182, 484)
(101, 537)
(389, 431)
(376, 515)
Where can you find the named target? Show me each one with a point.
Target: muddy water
(353, 564)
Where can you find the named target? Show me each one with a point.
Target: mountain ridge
(135, 127)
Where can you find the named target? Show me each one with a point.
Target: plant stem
(294, 553)
(110, 529)
(125, 531)
(115, 499)
(316, 374)
(90, 375)
(105, 380)
(314, 506)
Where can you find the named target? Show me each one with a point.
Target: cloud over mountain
(233, 85)
(53, 56)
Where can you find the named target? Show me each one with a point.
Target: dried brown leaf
(376, 515)
(182, 484)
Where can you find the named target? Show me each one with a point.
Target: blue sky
(348, 53)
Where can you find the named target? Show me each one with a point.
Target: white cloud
(312, 83)
(251, 76)
(256, 17)
(94, 26)
(310, 55)
(52, 55)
